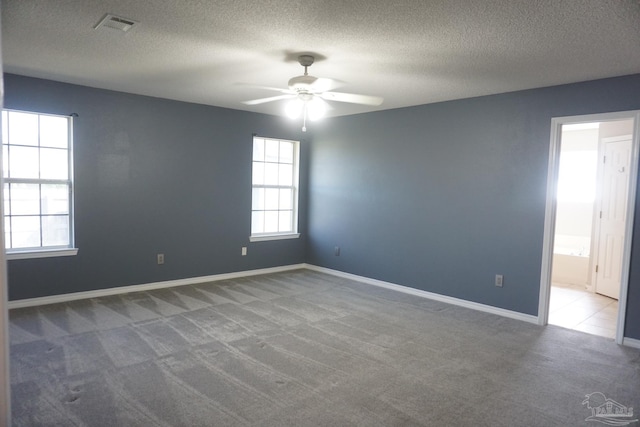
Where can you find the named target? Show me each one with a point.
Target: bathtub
(570, 268)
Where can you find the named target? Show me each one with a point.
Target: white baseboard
(31, 302)
(631, 342)
(429, 295)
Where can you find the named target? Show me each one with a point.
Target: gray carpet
(302, 349)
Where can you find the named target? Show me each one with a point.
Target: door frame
(551, 207)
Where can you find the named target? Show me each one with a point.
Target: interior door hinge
(604, 159)
(596, 268)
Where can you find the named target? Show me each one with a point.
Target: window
(577, 176)
(38, 186)
(274, 211)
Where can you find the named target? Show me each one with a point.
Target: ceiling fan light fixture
(294, 108)
(317, 109)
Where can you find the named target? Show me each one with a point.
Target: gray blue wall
(439, 197)
(153, 176)
(442, 197)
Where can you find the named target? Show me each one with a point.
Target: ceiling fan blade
(275, 89)
(322, 84)
(326, 104)
(270, 99)
(352, 98)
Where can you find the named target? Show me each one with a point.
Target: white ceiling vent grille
(116, 22)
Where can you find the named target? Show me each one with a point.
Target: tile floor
(575, 308)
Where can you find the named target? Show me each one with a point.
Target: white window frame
(44, 251)
(289, 234)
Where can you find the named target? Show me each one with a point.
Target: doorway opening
(590, 209)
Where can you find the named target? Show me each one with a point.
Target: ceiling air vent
(116, 22)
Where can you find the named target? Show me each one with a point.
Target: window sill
(42, 254)
(266, 237)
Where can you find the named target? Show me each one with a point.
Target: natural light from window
(37, 181)
(275, 189)
(577, 176)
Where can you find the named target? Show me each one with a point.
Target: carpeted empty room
(297, 213)
(302, 348)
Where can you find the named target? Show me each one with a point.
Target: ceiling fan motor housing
(302, 83)
(306, 60)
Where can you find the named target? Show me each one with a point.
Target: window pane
(53, 164)
(286, 152)
(7, 201)
(25, 199)
(23, 128)
(5, 161)
(271, 174)
(23, 162)
(54, 199)
(258, 150)
(285, 177)
(286, 199)
(7, 232)
(271, 198)
(54, 131)
(5, 128)
(25, 231)
(577, 176)
(55, 230)
(257, 199)
(271, 150)
(271, 222)
(285, 221)
(257, 222)
(258, 173)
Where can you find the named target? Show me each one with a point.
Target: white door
(614, 185)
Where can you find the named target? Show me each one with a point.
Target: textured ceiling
(410, 52)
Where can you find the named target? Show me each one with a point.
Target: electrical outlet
(244, 251)
(336, 251)
(499, 280)
(160, 259)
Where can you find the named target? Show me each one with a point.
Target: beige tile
(562, 298)
(600, 322)
(610, 309)
(562, 321)
(591, 303)
(580, 311)
(596, 330)
(567, 292)
(569, 319)
(606, 316)
(576, 308)
(556, 304)
(568, 286)
(600, 298)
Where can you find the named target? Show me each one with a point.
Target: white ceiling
(410, 52)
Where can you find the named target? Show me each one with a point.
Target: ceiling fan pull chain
(304, 117)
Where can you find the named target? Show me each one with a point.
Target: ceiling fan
(309, 93)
